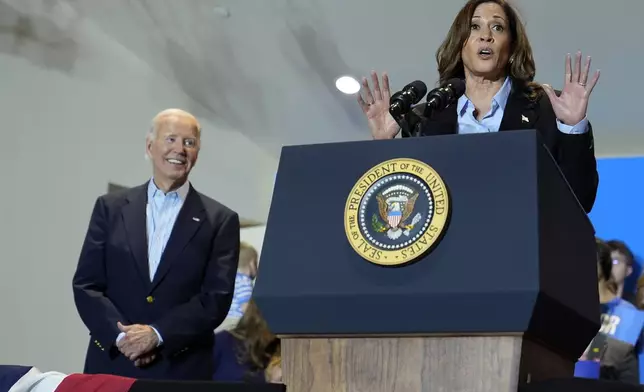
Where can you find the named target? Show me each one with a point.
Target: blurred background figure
(243, 353)
(617, 345)
(244, 281)
(623, 261)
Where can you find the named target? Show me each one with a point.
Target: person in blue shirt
(618, 344)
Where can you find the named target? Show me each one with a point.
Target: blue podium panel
(491, 270)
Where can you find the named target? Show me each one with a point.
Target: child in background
(246, 273)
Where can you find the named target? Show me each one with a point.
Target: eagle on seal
(395, 211)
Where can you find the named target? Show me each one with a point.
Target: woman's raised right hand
(375, 106)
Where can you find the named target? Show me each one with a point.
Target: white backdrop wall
(69, 127)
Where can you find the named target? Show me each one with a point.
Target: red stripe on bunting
(95, 383)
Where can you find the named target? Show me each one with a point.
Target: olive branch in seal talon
(377, 225)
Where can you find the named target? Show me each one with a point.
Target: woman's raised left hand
(571, 105)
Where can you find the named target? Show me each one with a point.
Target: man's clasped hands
(138, 343)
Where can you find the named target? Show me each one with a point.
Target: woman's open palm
(375, 106)
(571, 105)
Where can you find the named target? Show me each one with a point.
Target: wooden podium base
(417, 364)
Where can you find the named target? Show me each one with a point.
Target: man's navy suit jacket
(188, 298)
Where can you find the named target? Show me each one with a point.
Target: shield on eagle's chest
(394, 217)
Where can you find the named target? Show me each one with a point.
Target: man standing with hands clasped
(157, 269)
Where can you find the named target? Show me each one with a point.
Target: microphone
(442, 97)
(400, 103)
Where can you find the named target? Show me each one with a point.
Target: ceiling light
(347, 85)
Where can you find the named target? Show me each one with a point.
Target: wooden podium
(506, 295)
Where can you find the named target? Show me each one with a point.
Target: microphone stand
(410, 124)
(405, 129)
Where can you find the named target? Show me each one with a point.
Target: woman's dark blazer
(575, 154)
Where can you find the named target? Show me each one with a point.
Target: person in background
(246, 273)
(244, 353)
(617, 344)
(623, 260)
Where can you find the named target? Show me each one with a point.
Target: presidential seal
(396, 212)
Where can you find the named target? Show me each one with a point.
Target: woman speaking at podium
(487, 46)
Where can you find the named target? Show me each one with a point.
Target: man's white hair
(161, 116)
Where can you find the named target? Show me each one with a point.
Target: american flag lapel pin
(524, 119)
(194, 218)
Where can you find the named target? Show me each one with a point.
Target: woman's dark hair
(620, 247)
(257, 344)
(521, 68)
